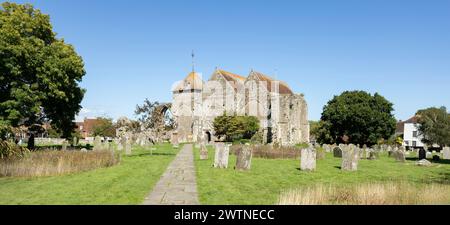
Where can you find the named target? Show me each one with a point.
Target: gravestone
(75, 141)
(221, 156)
(436, 158)
(64, 145)
(399, 155)
(429, 155)
(372, 155)
(446, 153)
(97, 143)
(244, 158)
(424, 163)
(83, 150)
(422, 154)
(203, 152)
(128, 146)
(308, 159)
(337, 152)
(350, 157)
(175, 141)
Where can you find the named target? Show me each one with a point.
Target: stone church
(283, 114)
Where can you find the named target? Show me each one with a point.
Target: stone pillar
(308, 159)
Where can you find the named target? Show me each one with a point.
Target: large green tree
(39, 73)
(357, 117)
(434, 126)
(104, 127)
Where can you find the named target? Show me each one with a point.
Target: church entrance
(208, 136)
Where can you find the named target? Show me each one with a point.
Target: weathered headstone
(64, 145)
(446, 153)
(308, 159)
(372, 155)
(399, 155)
(244, 158)
(97, 143)
(83, 150)
(128, 146)
(422, 154)
(175, 140)
(350, 157)
(337, 152)
(436, 158)
(203, 152)
(75, 141)
(221, 156)
(429, 155)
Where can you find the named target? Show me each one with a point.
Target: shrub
(235, 127)
(11, 150)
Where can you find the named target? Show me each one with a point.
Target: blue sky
(137, 49)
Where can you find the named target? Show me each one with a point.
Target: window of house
(415, 134)
(414, 144)
(407, 143)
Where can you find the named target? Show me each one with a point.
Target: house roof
(401, 124)
(283, 87)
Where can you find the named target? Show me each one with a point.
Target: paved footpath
(178, 185)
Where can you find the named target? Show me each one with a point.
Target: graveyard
(123, 184)
(267, 178)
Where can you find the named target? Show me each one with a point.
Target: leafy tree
(149, 114)
(236, 127)
(357, 117)
(435, 126)
(104, 127)
(39, 73)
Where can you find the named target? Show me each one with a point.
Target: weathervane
(193, 62)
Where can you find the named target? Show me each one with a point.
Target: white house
(410, 131)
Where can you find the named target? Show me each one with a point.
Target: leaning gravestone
(203, 152)
(221, 156)
(446, 153)
(424, 163)
(350, 157)
(308, 159)
(244, 158)
(337, 152)
(422, 154)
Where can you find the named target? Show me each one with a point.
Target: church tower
(186, 105)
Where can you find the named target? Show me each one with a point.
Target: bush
(236, 127)
(11, 150)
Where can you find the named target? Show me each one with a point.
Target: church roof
(193, 81)
(230, 76)
(283, 87)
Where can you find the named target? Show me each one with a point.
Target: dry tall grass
(369, 194)
(50, 163)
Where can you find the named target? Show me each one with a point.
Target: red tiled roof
(283, 87)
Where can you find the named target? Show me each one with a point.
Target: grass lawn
(263, 184)
(127, 183)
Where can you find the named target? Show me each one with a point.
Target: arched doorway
(208, 136)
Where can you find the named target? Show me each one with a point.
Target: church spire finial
(193, 62)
